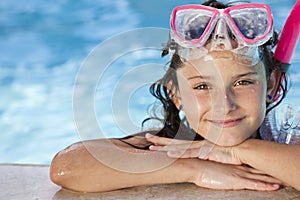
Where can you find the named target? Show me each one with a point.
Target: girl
(224, 78)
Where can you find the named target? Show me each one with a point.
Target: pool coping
(27, 181)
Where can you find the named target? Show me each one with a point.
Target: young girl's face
(224, 100)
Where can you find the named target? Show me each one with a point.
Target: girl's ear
(176, 101)
(175, 95)
(273, 84)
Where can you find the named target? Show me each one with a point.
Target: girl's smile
(227, 123)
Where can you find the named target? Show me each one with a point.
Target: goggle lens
(252, 23)
(190, 24)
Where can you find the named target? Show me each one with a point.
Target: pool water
(43, 48)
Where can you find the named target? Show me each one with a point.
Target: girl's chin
(228, 137)
(227, 142)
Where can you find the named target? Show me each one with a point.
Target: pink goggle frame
(251, 23)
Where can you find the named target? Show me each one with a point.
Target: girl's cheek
(196, 111)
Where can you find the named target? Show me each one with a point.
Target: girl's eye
(243, 82)
(201, 87)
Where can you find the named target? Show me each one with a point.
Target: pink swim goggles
(192, 25)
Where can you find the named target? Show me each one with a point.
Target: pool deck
(32, 182)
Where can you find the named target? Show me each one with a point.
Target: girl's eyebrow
(209, 77)
(199, 77)
(246, 74)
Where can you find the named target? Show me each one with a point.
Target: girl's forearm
(77, 169)
(278, 160)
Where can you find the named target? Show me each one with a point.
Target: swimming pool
(44, 44)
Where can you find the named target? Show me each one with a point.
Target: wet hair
(163, 90)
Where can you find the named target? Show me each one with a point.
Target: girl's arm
(110, 164)
(278, 160)
(76, 167)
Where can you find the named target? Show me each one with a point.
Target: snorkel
(289, 37)
(273, 128)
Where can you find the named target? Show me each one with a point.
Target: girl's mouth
(227, 123)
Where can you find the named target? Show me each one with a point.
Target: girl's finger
(254, 174)
(162, 141)
(252, 170)
(259, 185)
(189, 153)
(174, 144)
(176, 147)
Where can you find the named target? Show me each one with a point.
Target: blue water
(43, 47)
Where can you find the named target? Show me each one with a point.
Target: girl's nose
(224, 102)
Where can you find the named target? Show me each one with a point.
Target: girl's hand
(232, 177)
(194, 149)
(215, 175)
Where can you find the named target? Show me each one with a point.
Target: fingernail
(148, 135)
(151, 147)
(276, 185)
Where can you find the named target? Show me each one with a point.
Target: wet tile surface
(32, 182)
